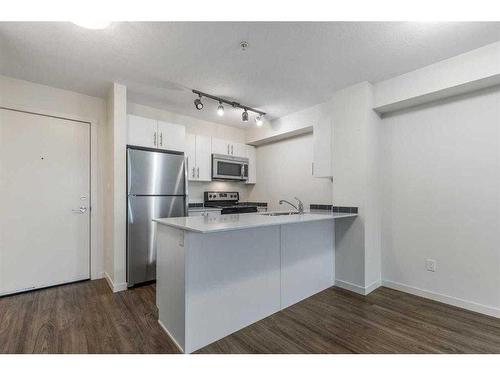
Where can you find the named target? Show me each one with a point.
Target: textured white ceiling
(287, 67)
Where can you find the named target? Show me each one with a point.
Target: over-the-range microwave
(226, 167)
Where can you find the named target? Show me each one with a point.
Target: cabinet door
(252, 166)
(220, 146)
(191, 156)
(142, 131)
(322, 144)
(171, 136)
(238, 149)
(203, 158)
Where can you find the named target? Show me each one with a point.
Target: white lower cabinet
(199, 154)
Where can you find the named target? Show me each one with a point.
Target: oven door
(229, 168)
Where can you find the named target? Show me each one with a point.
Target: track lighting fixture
(198, 104)
(220, 109)
(258, 120)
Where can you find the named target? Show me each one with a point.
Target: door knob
(81, 210)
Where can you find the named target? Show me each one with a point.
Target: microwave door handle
(242, 171)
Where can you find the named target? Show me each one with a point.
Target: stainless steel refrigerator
(156, 187)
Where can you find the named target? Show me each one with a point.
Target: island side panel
(232, 280)
(307, 260)
(170, 282)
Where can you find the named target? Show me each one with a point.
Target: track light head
(220, 109)
(198, 104)
(244, 116)
(258, 120)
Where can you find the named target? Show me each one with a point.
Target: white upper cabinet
(191, 156)
(171, 136)
(151, 133)
(142, 132)
(199, 154)
(322, 145)
(239, 149)
(225, 147)
(220, 146)
(203, 158)
(252, 164)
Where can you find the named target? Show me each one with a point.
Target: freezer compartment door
(141, 233)
(155, 173)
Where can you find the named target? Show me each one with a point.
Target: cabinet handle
(161, 139)
(232, 150)
(193, 172)
(198, 172)
(228, 148)
(154, 139)
(312, 168)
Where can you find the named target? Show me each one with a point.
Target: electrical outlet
(430, 265)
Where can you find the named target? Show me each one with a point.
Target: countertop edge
(190, 229)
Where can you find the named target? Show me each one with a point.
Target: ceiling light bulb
(244, 116)
(258, 120)
(220, 109)
(92, 24)
(198, 104)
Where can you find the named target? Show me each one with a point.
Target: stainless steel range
(228, 202)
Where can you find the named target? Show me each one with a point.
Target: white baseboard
(118, 287)
(170, 336)
(458, 302)
(358, 288)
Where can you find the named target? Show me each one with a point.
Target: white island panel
(170, 286)
(307, 260)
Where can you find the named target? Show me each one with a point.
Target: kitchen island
(216, 275)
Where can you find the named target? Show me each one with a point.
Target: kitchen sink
(280, 213)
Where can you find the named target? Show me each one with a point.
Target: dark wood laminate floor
(87, 318)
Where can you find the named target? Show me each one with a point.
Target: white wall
(206, 128)
(284, 172)
(16, 93)
(441, 199)
(115, 259)
(469, 71)
(355, 183)
(294, 124)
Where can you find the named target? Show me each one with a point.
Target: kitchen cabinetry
(152, 133)
(171, 136)
(225, 147)
(322, 145)
(199, 155)
(252, 164)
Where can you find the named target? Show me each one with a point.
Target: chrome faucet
(299, 208)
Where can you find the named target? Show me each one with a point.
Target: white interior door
(44, 181)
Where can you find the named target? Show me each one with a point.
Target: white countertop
(222, 223)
